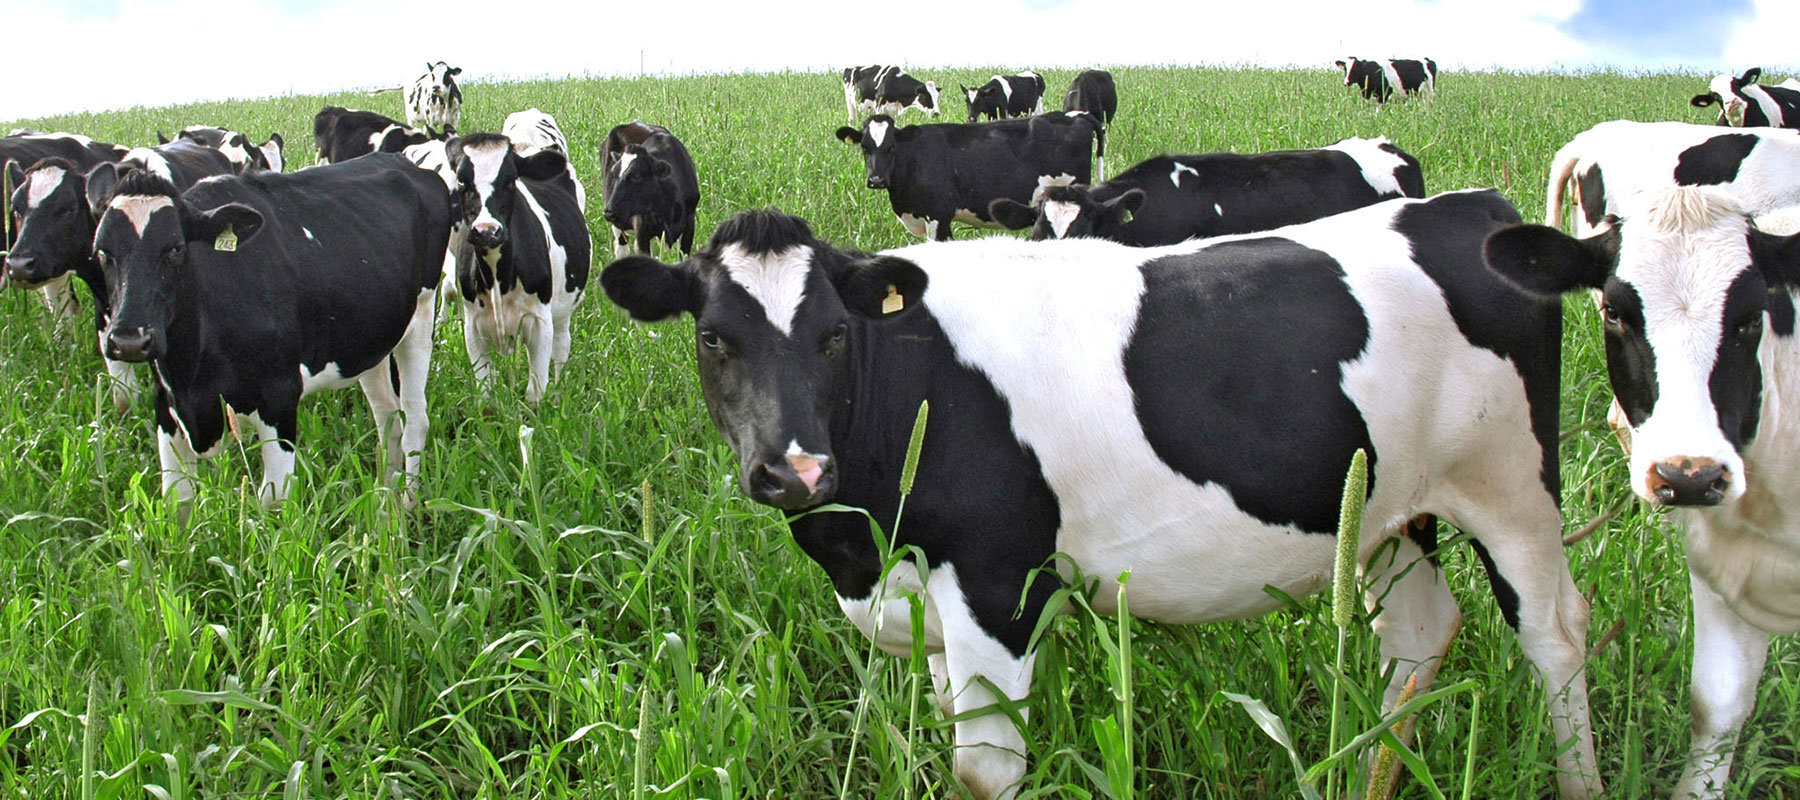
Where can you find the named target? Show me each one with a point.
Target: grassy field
(586, 607)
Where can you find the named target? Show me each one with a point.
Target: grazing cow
(1378, 79)
(1006, 96)
(887, 90)
(649, 188)
(1743, 103)
(250, 291)
(236, 146)
(1168, 199)
(937, 173)
(1698, 316)
(24, 148)
(57, 208)
(434, 101)
(340, 134)
(526, 267)
(1106, 407)
(1092, 91)
(1614, 161)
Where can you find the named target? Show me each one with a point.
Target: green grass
(529, 635)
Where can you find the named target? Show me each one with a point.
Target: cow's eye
(1610, 314)
(173, 254)
(103, 257)
(834, 339)
(711, 341)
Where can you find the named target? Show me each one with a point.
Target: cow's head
(1685, 281)
(440, 78)
(52, 209)
(643, 186)
(879, 140)
(488, 171)
(989, 99)
(1728, 92)
(1068, 212)
(926, 99)
(1348, 65)
(778, 316)
(144, 242)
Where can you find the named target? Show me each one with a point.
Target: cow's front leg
(277, 449)
(60, 298)
(990, 749)
(621, 242)
(176, 460)
(1728, 661)
(477, 344)
(540, 344)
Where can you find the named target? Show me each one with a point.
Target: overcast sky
(75, 55)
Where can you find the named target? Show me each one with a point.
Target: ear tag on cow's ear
(227, 241)
(893, 303)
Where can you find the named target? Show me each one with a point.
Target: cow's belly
(499, 320)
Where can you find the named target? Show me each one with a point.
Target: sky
(94, 55)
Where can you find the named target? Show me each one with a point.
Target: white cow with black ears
(434, 101)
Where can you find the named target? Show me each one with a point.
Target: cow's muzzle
(131, 344)
(876, 182)
(21, 271)
(487, 237)
(1683, 481)
(794, 482)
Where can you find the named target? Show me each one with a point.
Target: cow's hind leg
(1413, 611)
(540, 343)
(412, 365)
(1729, 654)
(378, 385)
(990, 748)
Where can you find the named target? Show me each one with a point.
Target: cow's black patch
(1630, 363)
(1504, 593)
(1235, 365)
(1736, 380)
(1781, 312)
(1591, 184)
(1713, 161)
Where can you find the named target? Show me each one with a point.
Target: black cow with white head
(1698, 314)
(434, 101)
(1106, 405)
(1006, 96)
(1744, 103)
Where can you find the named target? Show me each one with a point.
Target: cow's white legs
(124, 387)
(177, 464)
(540, 341)
(940, 682)
(413, 359)
(477, 345)
(559, 349)
(277, 461)
(1522, 531)
(1415, 614)
(60, 298)
(384, 404)
(990, 749)
(1728, 661)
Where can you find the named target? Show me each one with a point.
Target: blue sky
(212, 50)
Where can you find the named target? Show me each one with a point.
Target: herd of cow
(1168, 379)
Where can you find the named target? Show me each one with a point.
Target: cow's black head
(642, 186)
(145, 244)
(1068, 212)
(55, 220)
(1685, 283)
(879, 139)
(778, 315)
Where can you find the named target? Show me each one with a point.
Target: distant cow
(1168, 199)
(1184, 414)
(23, 148)
(236, 146)
(1379, 79)
(340, 134)
(934, 174)
(532, 130)
(1092, 92)
(434, 101)
(649, 189)
(248, 292)
(1614, 161)
(526, 267)
(1744, 103)
(1006, 96)
(887, 90)
(1697, 310)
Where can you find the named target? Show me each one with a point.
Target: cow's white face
(1733, 103)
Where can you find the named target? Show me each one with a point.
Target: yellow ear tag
(227, 241)
(893, 303)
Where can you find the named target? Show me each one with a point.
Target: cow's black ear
(1012, 214)
(275, 137)
(453, 152)
(206, 226)
(1704, 100)
(100, 182)
(1750, 76)
(1543, 260)
(1127, 204)
(650, 290)
(542, 165)
(849, 135)
(454, 71)
(161, 139)
(1777, 257)
(882, 287)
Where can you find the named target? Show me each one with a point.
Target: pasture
(586, 606)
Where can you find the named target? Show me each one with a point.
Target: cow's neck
(185, 354)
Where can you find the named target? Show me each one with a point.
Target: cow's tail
(386, 90)
(1562, 169)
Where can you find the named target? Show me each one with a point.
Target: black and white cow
(887, 90)
(57, 208)
(528, 254)
(23, 148)
(937, 173)
(1698, 316)
(434, 101)
(1613, 162)
(1379, 79)
(1146, 428)
(340, 134)
(1093, 92)
(532, 130)
(649, 188)
(250, 291)
(1744, 103)
(1006, 96)
(1168, 199)
(237, 147)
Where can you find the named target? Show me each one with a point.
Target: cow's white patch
(968, 216)
(329, 376)
(1047, 181)
(1005, 89)
(309, 234)
(1175, 174)
(235, 152)
(43, 182)
(913, 225)
(878, 132)
(272, 153)
(486, 160)
(1061, 214)
(1391, 73)
(777, 281)
(152, 162)
(1218, 209)
(138, 208)
(1378, 166)
(625, 160)
(1732, 105)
